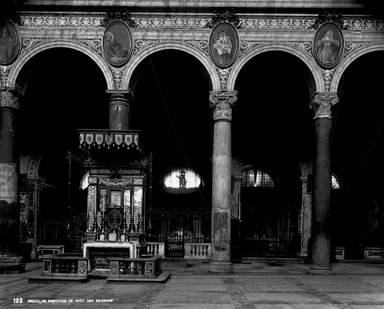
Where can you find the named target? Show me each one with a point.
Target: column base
(320, 270)
(216, 267)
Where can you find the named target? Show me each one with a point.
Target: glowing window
(182, 178)
(257, 178)
(335, 183)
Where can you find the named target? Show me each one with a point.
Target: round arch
(23, 59)
(209, 66)
(314, 69)
(348, 60)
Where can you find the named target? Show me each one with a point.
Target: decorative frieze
(277, 23)
(360, 24)
(221, 103)
(322, 103)
(61, 21)
(116, 139)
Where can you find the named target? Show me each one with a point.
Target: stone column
(221, 103)
(119, 110)
(305, 216)
(9, 174)
(321, 239)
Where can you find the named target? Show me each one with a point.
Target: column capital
(221, 103)
(322, 103)
(9, 98)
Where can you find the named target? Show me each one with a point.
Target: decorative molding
(94, 44)
(117, 74)
(277, 23)
(361, 24)
(302, 45)
(246, 46)
(322, 103)
(144, 44)
(9, 99)
(224, 16)
(353, 46)
(4, 72)
(223, 76)
(328, 16)
(327, 77)
(200, 45)
(123, 16)
(171, 23)
(221, 102)
(61, 21)
(29, 43)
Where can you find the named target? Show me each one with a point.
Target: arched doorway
(357, 151)
(171, 108)
(272, 133)
(64, 90)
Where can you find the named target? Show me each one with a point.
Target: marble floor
(254, 284)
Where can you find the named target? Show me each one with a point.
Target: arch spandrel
(344, 64)
(308, 60)
(204, 60)
(25, 57)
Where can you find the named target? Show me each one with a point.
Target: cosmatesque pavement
(253, 284)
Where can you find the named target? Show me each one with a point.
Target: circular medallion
(328, 45)
(9, 43)
(117, 43)
(223, 44)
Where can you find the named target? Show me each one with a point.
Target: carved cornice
(283, 23)
(61, 21)
(223, 76)
(361, 24)
(221, 102)
(322, 103)
(9, 99)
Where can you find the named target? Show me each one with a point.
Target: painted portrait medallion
(117, 43)
(223, 44)
(9, 43)
(328, 45)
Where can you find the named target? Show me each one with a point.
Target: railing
(154, 248)
(149, 267)
(192, 250)
(65, 266)
(197, 250)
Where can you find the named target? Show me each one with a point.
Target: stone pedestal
(321, 238)
(221, 103)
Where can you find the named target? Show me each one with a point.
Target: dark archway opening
(64, 91)
(357, 151)
(171, 109)
(272, 130)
